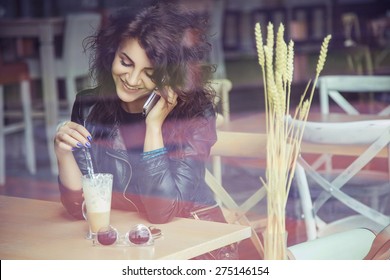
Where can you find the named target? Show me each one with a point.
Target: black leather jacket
(163, 187)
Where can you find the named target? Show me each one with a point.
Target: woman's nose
(133, 78)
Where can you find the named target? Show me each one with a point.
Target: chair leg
(2, 138)
(226, 200)
(217, 168)
(28, 122)
(71, 90)
(306, 202)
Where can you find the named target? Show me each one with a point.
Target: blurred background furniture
(355, 244)
(359, 60)
(217, 55)
(45, 29)
(350, 186)
(379, 28)
(351, 27)
(332, 87)
(16, 74)
(358, 54)
(72, 65)
(74, 62)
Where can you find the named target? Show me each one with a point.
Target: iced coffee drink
(97, 194)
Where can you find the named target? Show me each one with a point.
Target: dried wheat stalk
(283, 138)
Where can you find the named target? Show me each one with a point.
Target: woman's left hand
(155, 120)
(161, 110)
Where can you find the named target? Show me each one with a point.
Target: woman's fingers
(161, 110)
(71, 136)
(79, 132)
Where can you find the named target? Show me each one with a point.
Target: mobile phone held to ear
(152, 100)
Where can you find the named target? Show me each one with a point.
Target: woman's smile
(130, 88)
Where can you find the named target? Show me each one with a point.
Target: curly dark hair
(175, 42)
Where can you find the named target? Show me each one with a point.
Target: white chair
(355, 244)
(16, 73)
(74, 62)
(247, 145)
(332, 87)
(365, 140)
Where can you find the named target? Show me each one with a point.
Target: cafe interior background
(360, 45)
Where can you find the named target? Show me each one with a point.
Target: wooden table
(45, 29)
(35, 229)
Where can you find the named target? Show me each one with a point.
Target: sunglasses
(138, 235)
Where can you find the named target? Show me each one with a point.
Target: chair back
(365, 140)
(332, 87)
(345, 133)
(77, 28)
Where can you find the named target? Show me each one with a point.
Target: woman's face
(131, 71)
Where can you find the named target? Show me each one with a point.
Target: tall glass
(97, 189)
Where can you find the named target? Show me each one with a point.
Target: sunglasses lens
(107, 236)
(140, 235)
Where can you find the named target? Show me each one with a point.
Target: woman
(158, 161)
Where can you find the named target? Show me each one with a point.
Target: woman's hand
(70, 136)
(162, 109)
(155, 120)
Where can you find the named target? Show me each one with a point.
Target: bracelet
(154, 153)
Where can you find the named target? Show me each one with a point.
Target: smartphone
(152, 100)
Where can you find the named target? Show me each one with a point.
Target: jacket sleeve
(72, 201)
(169, 182)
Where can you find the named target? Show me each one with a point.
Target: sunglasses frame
(125, 240)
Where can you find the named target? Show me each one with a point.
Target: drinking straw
(89, 160)
(89, 163)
